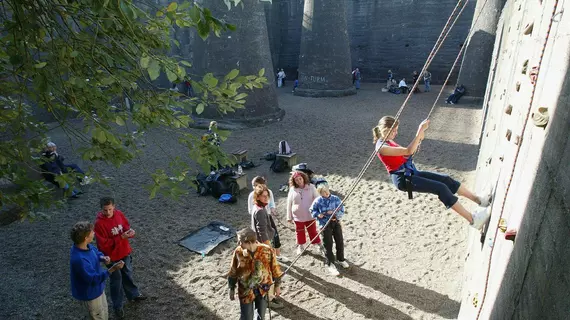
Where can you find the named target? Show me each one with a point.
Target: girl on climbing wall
(406, 177)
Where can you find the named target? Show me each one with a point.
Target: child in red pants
(301, 195)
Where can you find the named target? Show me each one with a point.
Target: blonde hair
(323, 187)
(383, 127)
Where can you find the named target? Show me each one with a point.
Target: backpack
(284, 147)
(279, 165)
(247, 165)
(270, 156)
(202, 184)
(227, 198)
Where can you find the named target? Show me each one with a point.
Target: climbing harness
(408, 169)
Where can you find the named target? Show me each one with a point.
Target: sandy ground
(406, 256)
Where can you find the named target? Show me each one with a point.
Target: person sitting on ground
(54, 166)
(457, 93)
(271, 208)
(50, 153)
(295, 85)
(254, 269)
(416, 75)
(403, 86)
(322, 209)
(406, 177)
(86, 273)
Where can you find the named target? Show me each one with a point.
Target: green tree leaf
(200, 108)
(172, 77)
(145, 60)
(153, 70)
(261, 72)
(172, 7)
(40, 65)
(232, 74)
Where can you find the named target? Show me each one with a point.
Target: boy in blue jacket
(87, 275)
(322, 209)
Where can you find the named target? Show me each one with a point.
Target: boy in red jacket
(112, 232)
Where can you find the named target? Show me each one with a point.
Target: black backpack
(279, 165)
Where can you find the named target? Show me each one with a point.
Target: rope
(516, 157)
(443, 35)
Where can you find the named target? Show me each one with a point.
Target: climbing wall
(519, 268)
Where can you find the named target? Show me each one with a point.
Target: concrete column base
(317, 93)
(230, 123)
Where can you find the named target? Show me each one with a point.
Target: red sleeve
(126, 225)
(105, 241)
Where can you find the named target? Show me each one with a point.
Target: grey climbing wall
(528, 278)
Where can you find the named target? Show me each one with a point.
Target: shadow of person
(359, 304)
(292, 311)
(421, 298)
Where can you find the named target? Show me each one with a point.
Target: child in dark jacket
(322, 209)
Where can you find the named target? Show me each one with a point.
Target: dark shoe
(275, 304)
(140, 297)
(120, 313)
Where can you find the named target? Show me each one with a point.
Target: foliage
(84, 59)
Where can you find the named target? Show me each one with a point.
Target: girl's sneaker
(282, 258)
(344, 264)
(480, 217)
(332, 270)
(485, 200)
(299, 249)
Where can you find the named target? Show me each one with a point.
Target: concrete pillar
(246, 49)
(477, 58)
(324, 62)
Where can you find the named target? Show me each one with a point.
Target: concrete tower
(477, 59)
(246, 49)
(324, 62)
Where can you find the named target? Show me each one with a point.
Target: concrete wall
(394, 34)
(530, 277)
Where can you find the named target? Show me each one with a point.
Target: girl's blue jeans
(441, 185)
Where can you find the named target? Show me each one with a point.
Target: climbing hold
(503, 225)
(533, 75)
(518, 140)
(502, 158)
(525, 67)
(475, 300)
(541, 117)
(528, 29)
(509, 109)
(518, 86)
(511, 234)
(508, 134)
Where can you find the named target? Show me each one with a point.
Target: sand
(406, 256)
